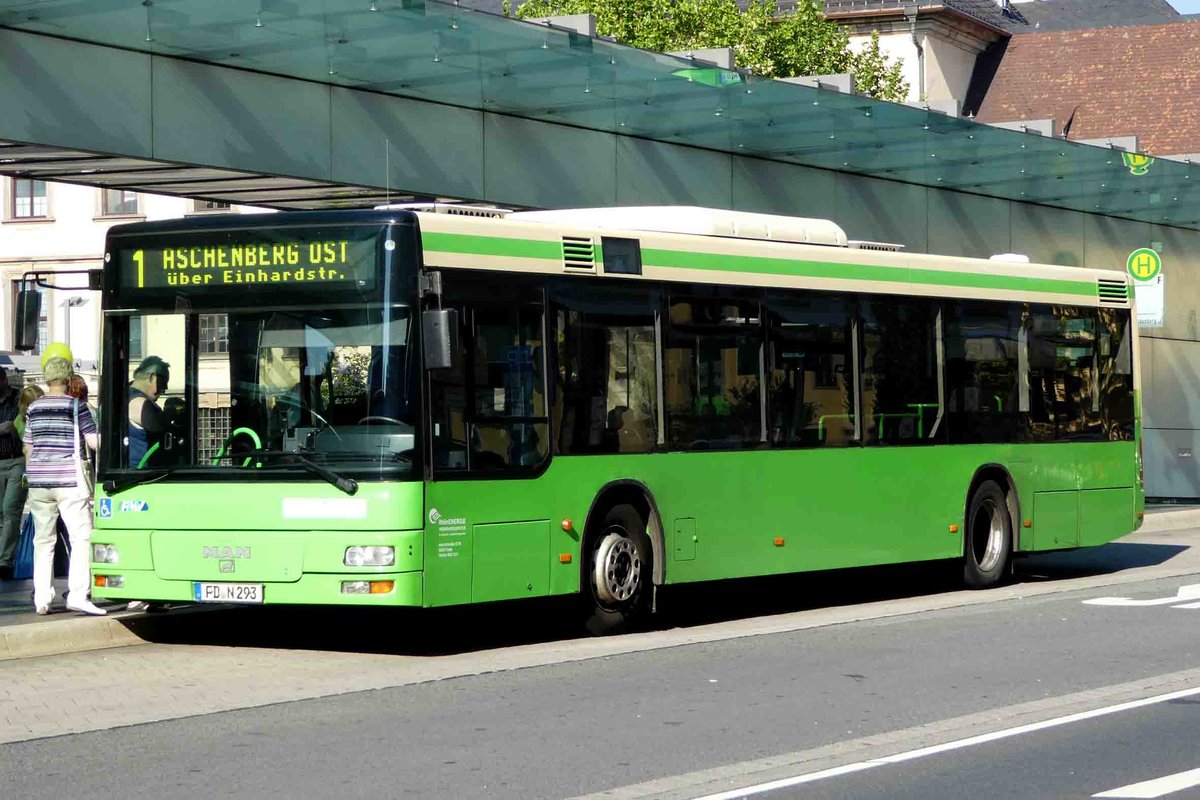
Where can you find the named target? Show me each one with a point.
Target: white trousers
(74, 505)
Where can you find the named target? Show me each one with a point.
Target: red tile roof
(1142, 80)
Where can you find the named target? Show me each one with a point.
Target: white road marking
(971, 741)
(1157, 787)
(1185, 594)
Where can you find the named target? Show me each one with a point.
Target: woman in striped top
(56, 429)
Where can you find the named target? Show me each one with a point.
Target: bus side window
(607, 394)
(900, 396)
(488, 412)
(711, 373)
(982, 345)
(810, 380)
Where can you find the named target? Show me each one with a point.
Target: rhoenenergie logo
(434, 516)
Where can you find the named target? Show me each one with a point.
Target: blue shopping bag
(23, 562)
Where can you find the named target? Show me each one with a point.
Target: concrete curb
(55, 637)
(1170, 519)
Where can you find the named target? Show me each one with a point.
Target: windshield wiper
(347, 485)
(112, 487)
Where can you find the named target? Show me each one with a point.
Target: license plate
(227, 592)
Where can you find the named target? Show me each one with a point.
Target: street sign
(1144, 265)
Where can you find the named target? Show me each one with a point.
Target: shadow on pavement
(452, 631)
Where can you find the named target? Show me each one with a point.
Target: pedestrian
(56, 432)
(30, 393)
(12, 473)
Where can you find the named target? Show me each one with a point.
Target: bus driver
(147, 422)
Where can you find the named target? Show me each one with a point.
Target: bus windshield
(266, 390)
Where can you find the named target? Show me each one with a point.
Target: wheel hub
(617, 569)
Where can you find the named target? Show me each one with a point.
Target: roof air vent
(579, 254)
(886, 247)
(1112, 292)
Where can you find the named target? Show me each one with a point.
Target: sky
(1186, 6)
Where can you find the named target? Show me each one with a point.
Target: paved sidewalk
(16, 603)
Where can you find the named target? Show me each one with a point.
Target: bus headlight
(370, 556)
(104, 554)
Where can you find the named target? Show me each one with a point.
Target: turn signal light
(779, 541)
(110, 581)
(954, 529)
(368, 587)
(567, 524)
(564, 558)
(1028, 523)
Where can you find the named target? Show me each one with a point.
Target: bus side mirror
(28, 311)
(439, 333)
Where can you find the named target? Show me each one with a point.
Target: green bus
(401, 407)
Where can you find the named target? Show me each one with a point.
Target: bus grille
(1113, 293)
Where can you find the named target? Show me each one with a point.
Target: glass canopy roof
(450, 54)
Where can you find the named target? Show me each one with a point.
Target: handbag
(23, 559)
(83, 468)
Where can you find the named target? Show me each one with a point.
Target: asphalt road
(669, 717)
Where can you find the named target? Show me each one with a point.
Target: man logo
(434, 516)
(225, 566)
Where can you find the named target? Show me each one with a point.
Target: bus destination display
(335, 262)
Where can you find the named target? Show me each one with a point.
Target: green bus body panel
(723, 511)
(290, 536)
(259, 505)
(481, 540)
(509, 560)
(1104, 515)
(1055, 520)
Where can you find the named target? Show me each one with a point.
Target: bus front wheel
(617, 572)
(987, 544)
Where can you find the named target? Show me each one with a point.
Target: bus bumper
(309, 590)
(277, 568)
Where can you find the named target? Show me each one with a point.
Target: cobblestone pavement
(102, 689)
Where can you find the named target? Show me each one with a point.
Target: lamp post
(68, 304)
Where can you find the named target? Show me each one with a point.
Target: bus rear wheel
(617, 572)
(987, 545)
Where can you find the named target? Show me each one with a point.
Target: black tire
(987, 537)
(616, 580)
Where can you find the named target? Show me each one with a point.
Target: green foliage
(874, 76)
(801, 42)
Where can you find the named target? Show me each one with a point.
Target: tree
(765, 42)
(875, 76)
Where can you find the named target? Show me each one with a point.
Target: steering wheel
(365, 420)
(229, 440)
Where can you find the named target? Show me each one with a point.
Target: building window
(119, 203)
(203, 206)
(29, 200)
(213, 431)
(214, 333)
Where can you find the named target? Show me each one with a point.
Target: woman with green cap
(56, 429)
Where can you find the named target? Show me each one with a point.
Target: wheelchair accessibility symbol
(105, 508)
